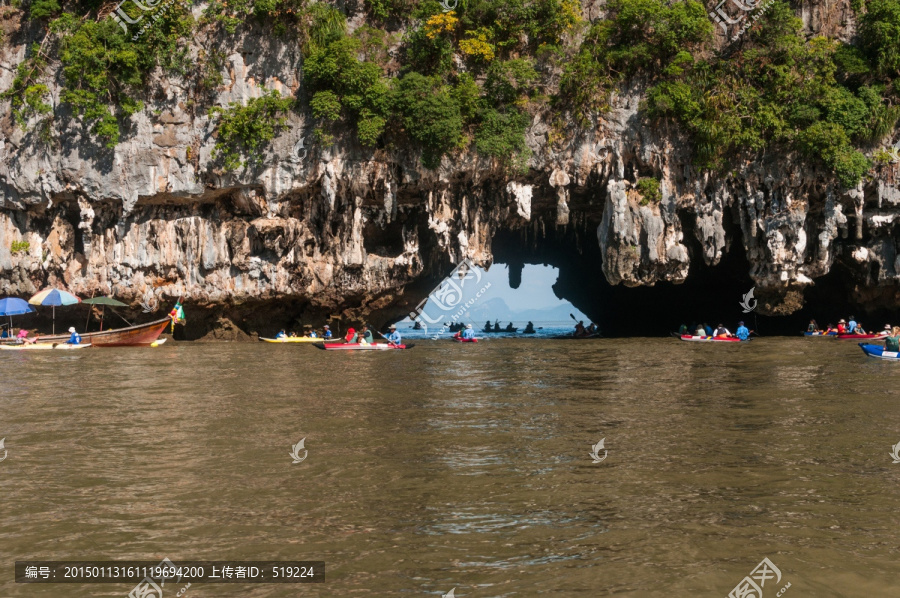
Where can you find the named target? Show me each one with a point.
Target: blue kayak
(820, 333)
(878, 351)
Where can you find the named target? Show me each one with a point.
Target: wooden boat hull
(43, 347)
(133, 336)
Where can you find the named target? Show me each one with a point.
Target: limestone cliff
(355, 232)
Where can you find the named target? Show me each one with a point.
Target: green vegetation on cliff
(473, 78)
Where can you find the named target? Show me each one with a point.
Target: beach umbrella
(104, 301)
(54, 297)
(11, 306)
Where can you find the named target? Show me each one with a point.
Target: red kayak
(459, 339)
(361, 347)
(709, 339)
(848, 337)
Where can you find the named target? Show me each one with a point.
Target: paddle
(385, 338)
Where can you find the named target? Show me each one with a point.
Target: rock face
(356, 233)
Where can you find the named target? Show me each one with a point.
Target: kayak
(820, 333)
(464, 340)
(709, 339)
(878, 351)
(295, 339)
(43, 347)
(359, 347)
(845, 337)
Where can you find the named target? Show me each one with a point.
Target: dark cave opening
(711, 294)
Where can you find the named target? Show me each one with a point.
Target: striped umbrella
(54, 297)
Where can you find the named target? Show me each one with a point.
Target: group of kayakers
(719, 331)
(496, 327)
(466, 334)
(308, 333)
(364, 336)
(844, 327)
(581, 330)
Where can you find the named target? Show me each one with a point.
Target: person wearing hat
(393, 336)
(742, 332)
(468, 333)
(74, 339)
(842, 326)
(327, 333)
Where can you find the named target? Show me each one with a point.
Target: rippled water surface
(461, 466)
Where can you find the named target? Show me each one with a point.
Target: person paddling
(281, 334)
(579, 328)
(742, 332)
(394, 337)
(468, 333)
(74, 339)
(327, 333)
(365, 335)
(529, 328)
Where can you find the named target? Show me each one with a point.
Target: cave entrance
(710, 294)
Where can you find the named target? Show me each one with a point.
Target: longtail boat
(140, 335)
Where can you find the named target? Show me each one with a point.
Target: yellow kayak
(295, 339)
(43, 347)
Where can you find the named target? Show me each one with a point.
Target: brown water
(461, 466)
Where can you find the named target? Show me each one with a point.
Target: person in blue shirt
(74, 339)
(394, 336)
(327, 333)
(708, 329)
(742, 332)
(468, 333)
(851, 325)
(281, 334)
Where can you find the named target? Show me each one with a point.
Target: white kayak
(43, 347)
